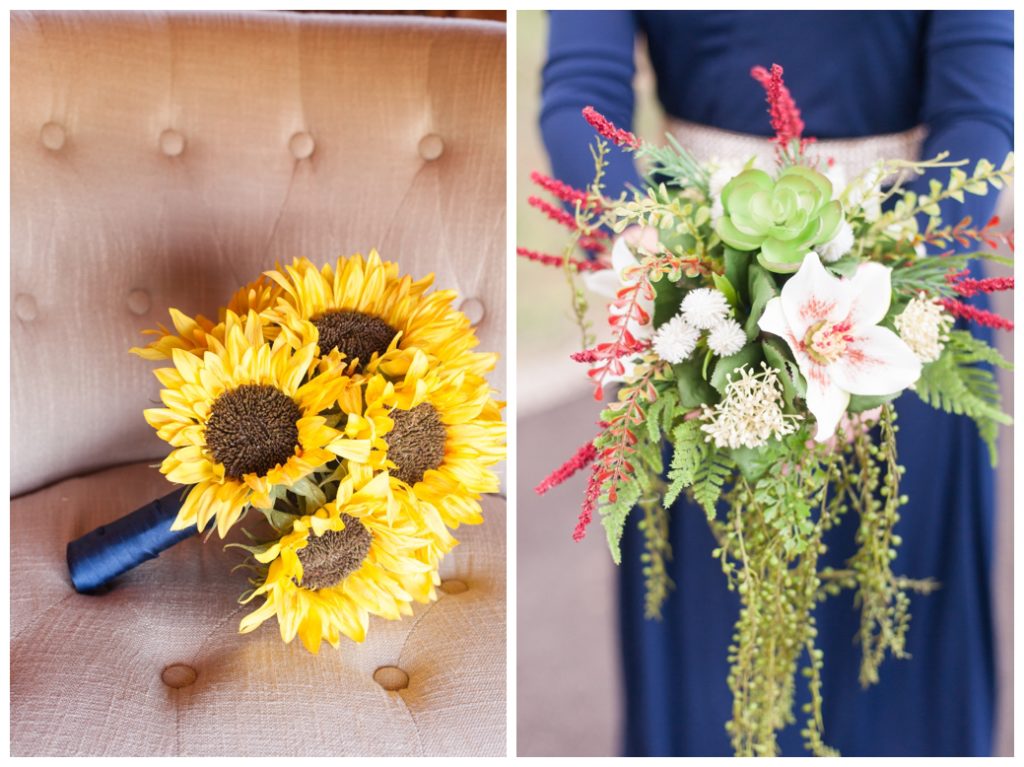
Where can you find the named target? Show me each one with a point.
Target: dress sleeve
(590, 63)
(968, 98)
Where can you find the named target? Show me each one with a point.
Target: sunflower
(245, 422)
(193, 334)
(364, 310)
(362, 554)
(372, 408)
(446, 432)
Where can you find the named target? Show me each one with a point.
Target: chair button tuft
(453, 586)
(431, 147)
(473, 308)
(172, 143)
(138, 302)
(25, 307)
(391, 678)
(301, 145)
(178, 675)
(52, 136)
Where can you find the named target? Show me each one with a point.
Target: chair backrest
(165, 159)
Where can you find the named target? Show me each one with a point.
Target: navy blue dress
(852, 74)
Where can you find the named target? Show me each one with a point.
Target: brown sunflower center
(354, 334)
(330, 558)
(252, 429)
(416, 443)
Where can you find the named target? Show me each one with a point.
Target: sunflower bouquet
(344, 406)
(762, 322)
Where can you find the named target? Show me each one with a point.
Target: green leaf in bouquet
(753, 462)
(310, 494)
(994, 258)
(845, 266)
(667, 299)
(736, 264)
(723, 284)
(708, 355)
(253, 550)
(762, 289)
(778, 355)
(929, 206)
(279, 519)
(749, 355)
(694, 391)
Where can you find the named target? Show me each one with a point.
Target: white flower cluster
(924, 326)
(702, 309)
(676, 340)
(750, 414)
(838, 246)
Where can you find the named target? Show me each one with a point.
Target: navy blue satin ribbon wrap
(98, 557)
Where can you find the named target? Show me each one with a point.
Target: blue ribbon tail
(98, 557)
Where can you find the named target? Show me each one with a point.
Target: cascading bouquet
(345, 405)
(762, 323)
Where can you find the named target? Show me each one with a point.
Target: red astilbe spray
(785, 117)
(591, 239)
(590, 499)
(550, 260)
(974, 314)
(581, 459)
(606, 128)
(592, 244)
(561, 216)
(613, 466)
(563, 191)
(968, 287)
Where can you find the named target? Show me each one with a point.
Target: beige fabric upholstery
(86, 671)
(162, 160)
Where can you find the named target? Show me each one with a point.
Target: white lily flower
(831, 324)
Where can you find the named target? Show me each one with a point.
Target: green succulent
(783, 218)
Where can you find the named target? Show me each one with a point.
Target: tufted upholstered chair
(163, 160)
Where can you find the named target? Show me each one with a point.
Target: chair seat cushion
(156, 666)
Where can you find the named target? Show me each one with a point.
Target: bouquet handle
(98, 557)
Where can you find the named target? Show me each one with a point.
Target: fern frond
(711, 475)
(614, 515)
(955, 385)
(689, 450)
(970, 349)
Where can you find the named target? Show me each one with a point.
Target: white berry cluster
(924, 326)
(750, 413)
(704, 309)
